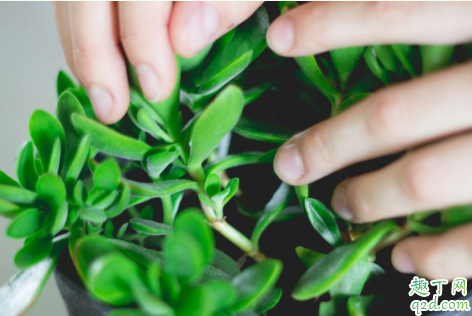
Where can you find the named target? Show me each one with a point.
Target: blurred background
(30, 57)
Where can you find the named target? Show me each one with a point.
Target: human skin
(403, 116)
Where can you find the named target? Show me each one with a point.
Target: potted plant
(129, 210)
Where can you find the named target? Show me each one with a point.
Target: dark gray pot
(76, 298)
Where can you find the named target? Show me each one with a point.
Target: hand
(435, 110)
(93, 35)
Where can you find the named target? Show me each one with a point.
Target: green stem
(168, 209)
(232, 234)
(220, 225)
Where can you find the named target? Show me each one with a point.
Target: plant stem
(233, 235)
(228, 231)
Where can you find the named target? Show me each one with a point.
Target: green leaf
(212, 184)
(310, 68)
(161, 188)
(458, 215)
(156, 163)
(195, 224)
(107, 175)
(345, 61)
(60, 218)
(78, 162)
(44, 130)
(330, 270)
(9, 209)
(150, 303)
(225, 263)
(238, 160)
(25, 169)
(55, 158)
(262, 131)
(409, 57)
(375, 66)
(122, 231)
(387, 57)
(109, 141)
(16, 194)
(34, 251)
(7, 180)
(151, 228)
(277, 203)
(232, 187)
(350, 101)
(217, 120)
(149, 125)
(269, 301)
(194, 301)
(168, 109)
(307, 256)
(245, 46)
(254, 93)
(255, 282)
(323, 221)
(24, 288)
(184, 256)
(94, 215)
(121, 203)
(191, 63)
(221, 293)
(52, 191)
(109, 230)
(354, 280)
(435, 57)
(26, 224)
(63, 83)
(68, 104)
(107, 282)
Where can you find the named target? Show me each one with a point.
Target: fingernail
(402, 262)
(149, 82)
(281, 36)
(288, 163)
(340, 203)
(202, 26)
(102, 102)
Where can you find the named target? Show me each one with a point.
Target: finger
(194, 25)
(98, 58)
(434, 177)
(61, 14)
(145, 37)
(444, 256)
(398, 117)
(321, 26)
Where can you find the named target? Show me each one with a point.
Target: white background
(30, 57)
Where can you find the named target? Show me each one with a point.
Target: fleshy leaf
(109, 141)
(217, 120)
(262, 131)
(255, 282)
(25, 169)
(63, 83)
(323, 221)
(26, 224)
(161, 188)
(107, 175)
(149, 227)
(246, 44)
(278, 202)
(67, 105)
(345, 61)
(44, 130)
(330, 269)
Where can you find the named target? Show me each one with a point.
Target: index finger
(317, 27)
